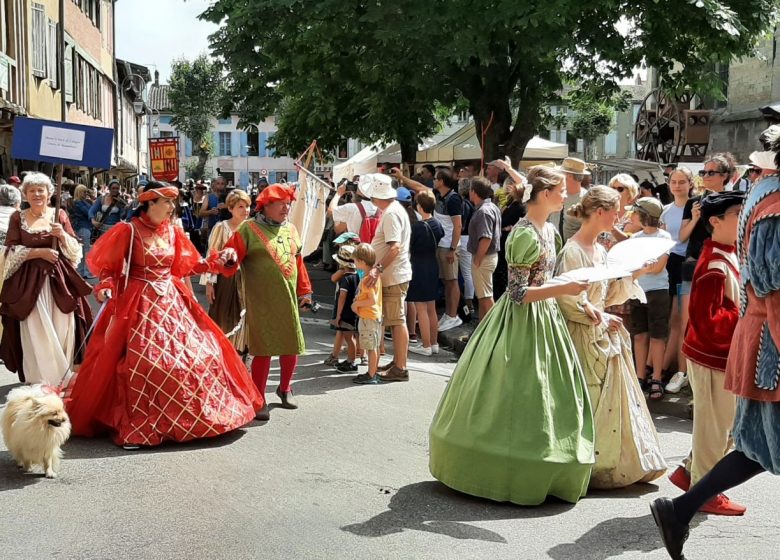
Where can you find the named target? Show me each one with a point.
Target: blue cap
(403, 195)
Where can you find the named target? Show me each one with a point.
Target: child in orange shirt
(368, 307)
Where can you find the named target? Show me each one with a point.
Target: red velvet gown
(157, 367)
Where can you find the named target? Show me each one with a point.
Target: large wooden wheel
(669, 130)
(658, 128)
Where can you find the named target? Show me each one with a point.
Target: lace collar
(45, 229)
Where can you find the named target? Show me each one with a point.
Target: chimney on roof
(156, 78)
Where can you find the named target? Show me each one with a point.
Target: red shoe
(681, 478)
(721, 505)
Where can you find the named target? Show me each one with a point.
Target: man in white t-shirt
(347, 217)
(391, 245)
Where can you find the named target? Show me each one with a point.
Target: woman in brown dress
(225, 294)
(43, 304)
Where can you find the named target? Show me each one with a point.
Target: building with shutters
(242, 156)
(56, 63)
(14, 75)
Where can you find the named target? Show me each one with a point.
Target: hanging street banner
(308, 211)
(63, 143)
(164, 155)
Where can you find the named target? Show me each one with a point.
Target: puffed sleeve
(764, 256)
(16, 253)
(764, 269)
(71, 247)
(522, 251)
(572, 258)
(622, 290)
(188, 260)
(106, 259)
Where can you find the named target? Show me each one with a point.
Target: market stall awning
(464, 145)
(366, 160)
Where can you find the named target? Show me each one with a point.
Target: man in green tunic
(276, 285)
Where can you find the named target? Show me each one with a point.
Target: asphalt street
(343, 477)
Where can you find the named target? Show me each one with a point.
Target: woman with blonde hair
(627, 446)
(517, 403)
(225, 294)
(628, 189)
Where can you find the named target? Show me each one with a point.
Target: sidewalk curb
(677, 405)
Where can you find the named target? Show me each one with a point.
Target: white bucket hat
(379, 186)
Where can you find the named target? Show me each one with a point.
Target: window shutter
(235, 145)
(39, 33)
(51, 54)
(244, 142)
(188, 148)
(261, 144)
(69, 73)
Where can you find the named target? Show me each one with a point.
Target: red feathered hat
(275, 193)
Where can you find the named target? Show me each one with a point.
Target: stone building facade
(753, 102)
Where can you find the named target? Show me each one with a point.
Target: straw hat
(573, 165)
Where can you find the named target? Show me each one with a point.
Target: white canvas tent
(464, 145)
(366, 160)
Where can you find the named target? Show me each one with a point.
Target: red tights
(261, 367)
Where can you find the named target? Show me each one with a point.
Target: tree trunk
(203, 158)
(408, 151)
(492, 114)
(492, 121)
(526, 125)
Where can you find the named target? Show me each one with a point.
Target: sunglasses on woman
(754, 171)
(710, 173)
(619, 189)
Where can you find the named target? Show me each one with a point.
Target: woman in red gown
(157, 367)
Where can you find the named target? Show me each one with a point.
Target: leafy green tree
(593, 116)
(196, 93)
(376, 70)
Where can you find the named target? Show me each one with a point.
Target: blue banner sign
(65, 143)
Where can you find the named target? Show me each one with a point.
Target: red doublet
(713, 307)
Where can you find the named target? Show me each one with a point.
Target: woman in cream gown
(627, 447)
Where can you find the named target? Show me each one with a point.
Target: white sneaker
(421, 350)
(443, 318)
(677, 382)
(435, 348)
(450, 323)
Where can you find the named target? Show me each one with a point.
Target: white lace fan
(623, 259)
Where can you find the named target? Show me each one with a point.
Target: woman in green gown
(514, 423)
(627, 446)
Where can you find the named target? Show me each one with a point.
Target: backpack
(369, 224)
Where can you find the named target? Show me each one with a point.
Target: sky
(155, 32)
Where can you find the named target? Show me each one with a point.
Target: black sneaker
(347, 367)
(365, 379)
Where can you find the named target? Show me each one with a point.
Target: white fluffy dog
(35, 426)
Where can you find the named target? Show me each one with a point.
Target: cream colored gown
(627, 446)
